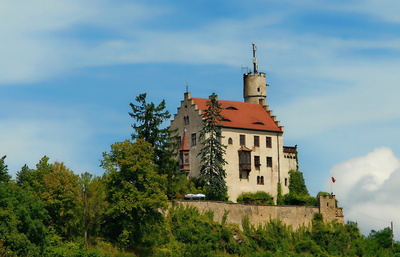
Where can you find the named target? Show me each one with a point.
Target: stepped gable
(243, 115)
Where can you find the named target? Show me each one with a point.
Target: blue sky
(69, 69)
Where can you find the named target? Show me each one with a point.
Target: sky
(69, 69)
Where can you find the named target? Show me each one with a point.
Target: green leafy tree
(58, 188)
(148, 126)
(381, 239)
(4, 176)
(22, 216)
(94, 204)
(212, 170)
(135, 192)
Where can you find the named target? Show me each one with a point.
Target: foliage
(4, 176)
(193, 185)
(298, 193)
(131, 223)
(212, 152)
(149, 119)
(94, 204)
(135, 192)
(379, 240)
(197, 234)
(279, 197)
(303, 200)
(58, 188)
(259, 197)
(22, 231)
(297, 184)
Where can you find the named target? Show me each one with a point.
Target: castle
(256, 157)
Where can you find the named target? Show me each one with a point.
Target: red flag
(333, 180)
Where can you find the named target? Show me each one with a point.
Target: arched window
(230, 141)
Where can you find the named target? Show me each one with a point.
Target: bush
(303, 200)
(259, 197)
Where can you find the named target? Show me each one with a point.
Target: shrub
(259, 197)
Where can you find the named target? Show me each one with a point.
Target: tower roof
(242, 115)
(185, 142)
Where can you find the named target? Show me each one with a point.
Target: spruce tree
(148, 126)
(212, 170)
(4, 176)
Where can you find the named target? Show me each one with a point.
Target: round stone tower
(254, 84)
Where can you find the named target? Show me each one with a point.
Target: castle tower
(254, 84)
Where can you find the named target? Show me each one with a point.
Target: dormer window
(225, 119)
(258, 123)
(231, 108)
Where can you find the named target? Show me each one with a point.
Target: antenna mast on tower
(255, 62)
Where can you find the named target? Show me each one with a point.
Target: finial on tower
(255, 62)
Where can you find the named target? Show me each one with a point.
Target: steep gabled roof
(242, 115)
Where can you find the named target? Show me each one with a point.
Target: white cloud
(38, 40)
(367, 188)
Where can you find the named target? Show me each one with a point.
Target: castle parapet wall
(295, 216)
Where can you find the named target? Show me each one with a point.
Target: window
(178, 141)
(268, 142)
(186, 158)
(230, 141)
(260, 180)
(244, 157)
(256, 141)
(231, 108)
(242, 140)
(193, 139)
(269, 161)
(285, 182)
(257, 161)
(186, 120)
(244, 175)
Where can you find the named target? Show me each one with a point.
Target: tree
(298, 193)
(22, 232)
(94, 204)
(58, 188)
(297, 184)
(4, 176)
(212, 170)
(135, 192)
(149, 119)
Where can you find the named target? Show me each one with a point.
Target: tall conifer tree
(149, 120)
(4, 176)
(212, 170)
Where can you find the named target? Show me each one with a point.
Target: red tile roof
(242, 115)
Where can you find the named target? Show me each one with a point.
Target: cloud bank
(368, 189)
